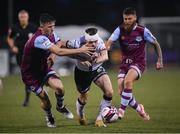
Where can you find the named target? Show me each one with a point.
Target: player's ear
(135, 17)
(41, 25)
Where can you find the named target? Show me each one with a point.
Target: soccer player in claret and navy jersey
(36, 65)
(132, 38)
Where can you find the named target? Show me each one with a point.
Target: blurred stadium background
(73, 16)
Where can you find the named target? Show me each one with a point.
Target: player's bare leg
(129, 98)
(46, 106)
(127, 91)
(105, 85)
(56, 84)
(138, 107)
(80, 103)
(120, 85)
(120, 89)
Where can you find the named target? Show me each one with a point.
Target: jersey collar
(135, 26)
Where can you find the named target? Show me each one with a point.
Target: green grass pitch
(158, 91)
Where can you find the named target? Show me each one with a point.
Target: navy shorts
(83, 79)
(37, 85)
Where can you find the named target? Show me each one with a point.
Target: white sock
(133, 103)
(105, 102)
(79, 108)
(125, 98)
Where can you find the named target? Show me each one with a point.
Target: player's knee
(120, 88)
(83, 98)
(128, 83)
(43, 95)
(109, 93)
(60, 89)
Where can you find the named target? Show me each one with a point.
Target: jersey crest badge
(138, 38)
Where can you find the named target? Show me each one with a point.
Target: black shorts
(19, 59)
(84, 79)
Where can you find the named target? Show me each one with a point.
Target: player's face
(23, 18)
(129, 21)
(92, 43)
(48, 28)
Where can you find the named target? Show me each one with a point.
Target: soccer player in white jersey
(89, 71)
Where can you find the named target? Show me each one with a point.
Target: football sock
(125, 98)
(80, 107)
(48, 111)
(133, 103)
(60, 100)
(105, 102)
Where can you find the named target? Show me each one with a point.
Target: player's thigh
(130, 77)
(55, 83)
(120, 85)
(104, 83)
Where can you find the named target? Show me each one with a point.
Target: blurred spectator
(17, 37)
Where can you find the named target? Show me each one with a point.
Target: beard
(129, 28)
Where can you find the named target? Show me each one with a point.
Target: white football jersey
(79, 42)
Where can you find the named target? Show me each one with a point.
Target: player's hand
(159, 64)
(15, 50)
(87, 49)
(50, 61)
(86, 56)
(94, 57)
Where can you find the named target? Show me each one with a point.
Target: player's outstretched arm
(51, 60)
(61, 44)
(108, 44)
(159, 63)
(66, 52)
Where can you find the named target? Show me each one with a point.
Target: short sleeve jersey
(79, 42)
(36, 51)
(21, 35)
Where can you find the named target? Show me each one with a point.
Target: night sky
(106, 13)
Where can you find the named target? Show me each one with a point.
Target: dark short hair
(23, 11)
(91, 31)
(45, 18)
(129, 11)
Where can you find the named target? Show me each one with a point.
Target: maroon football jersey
(34, 65)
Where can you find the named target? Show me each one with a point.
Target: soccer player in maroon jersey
(132, 38)
(36, 66)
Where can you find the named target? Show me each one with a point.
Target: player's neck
(44, 33)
